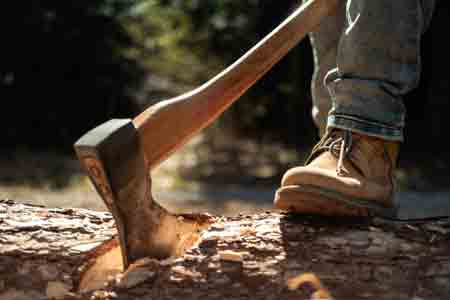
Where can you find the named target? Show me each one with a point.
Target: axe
(119, 154)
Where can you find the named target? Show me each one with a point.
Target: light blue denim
(367, 57)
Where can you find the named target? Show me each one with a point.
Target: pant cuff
(365, 127)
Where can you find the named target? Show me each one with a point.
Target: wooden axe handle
(169, 124)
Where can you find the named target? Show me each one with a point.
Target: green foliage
(166, 42)
(68, 66)
(190, 41)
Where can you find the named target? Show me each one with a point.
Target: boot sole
(312, 199)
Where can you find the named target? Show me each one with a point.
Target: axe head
(112, 156)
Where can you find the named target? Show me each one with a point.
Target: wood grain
(47, 251)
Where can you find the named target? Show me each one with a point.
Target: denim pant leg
(324, 41)
(378, 61)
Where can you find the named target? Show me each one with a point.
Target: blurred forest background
(67, 66)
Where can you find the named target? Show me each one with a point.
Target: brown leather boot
(347, 174)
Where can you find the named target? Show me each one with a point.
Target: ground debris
(135, 277)
(320, 292)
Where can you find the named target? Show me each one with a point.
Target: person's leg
(378, 61)
(351, 170)
(324, 41)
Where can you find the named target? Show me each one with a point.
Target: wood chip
(57, 290)
(230, 255)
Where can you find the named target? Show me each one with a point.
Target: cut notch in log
(106, 261)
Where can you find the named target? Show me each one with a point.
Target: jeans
(367, 57)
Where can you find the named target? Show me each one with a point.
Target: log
(49, 253)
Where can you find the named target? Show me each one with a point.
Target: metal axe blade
(112, 157)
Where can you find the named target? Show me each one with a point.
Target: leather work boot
(347, 174)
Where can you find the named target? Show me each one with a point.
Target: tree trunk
(47, 253)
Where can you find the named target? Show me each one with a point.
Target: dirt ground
(208, 174)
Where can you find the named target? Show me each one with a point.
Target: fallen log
(53, 253)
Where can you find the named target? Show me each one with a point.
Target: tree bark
(46, 253)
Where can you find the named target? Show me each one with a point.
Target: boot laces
(338, 145)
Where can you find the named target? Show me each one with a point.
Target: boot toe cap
(318, 177)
